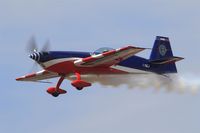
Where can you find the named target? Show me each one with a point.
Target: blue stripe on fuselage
(143, 64)
(136, 63)
(51, 55)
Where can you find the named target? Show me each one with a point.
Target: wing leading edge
(38, 76)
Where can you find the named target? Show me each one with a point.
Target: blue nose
(35, 56)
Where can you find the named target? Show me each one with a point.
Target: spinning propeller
(34, 53)
(32, 46)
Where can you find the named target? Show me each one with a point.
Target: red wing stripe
(30, 75)
(109, 52)
(26, 76)
(125, 48)
(20, 78)
(89, 59)
(45, 72)
(93, 58)
(129, 47)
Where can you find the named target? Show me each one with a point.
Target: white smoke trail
(173, 82)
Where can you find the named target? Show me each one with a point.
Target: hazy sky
(87, 25)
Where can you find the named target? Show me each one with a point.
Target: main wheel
(55, 94)
(79, 88)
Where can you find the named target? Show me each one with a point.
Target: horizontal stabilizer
(168, 60)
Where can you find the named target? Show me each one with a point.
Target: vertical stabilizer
(162, 56)
(161, 49)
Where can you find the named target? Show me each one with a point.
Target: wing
(108, 58)
(36, 77)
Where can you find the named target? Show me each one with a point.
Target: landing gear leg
(59, 83)
(78, 76)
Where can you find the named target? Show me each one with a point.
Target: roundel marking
(162, 50)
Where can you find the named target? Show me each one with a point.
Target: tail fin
(162, 56)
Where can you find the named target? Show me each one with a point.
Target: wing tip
(26, 76)
(19, 79)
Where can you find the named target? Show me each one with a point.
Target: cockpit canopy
(101, 50)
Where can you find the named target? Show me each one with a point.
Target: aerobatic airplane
(103, 61)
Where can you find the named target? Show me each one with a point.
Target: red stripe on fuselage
(68, 67)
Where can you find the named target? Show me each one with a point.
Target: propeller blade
(31, 46)
(46, 46)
